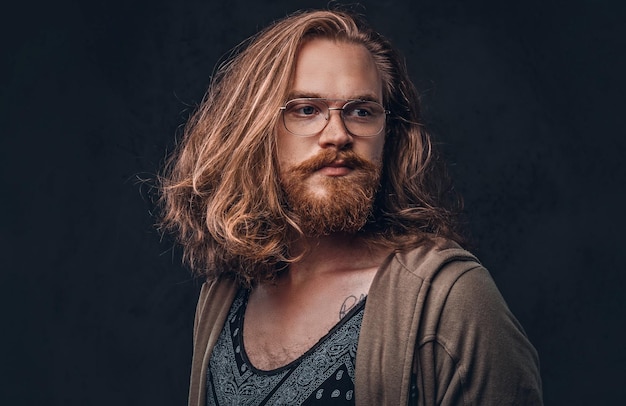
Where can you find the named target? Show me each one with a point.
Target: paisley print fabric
(324, 375)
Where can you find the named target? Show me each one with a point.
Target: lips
(340, 166)
(348, 161)
(340, 163)
(334, 172)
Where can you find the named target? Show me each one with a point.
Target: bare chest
(277, 338)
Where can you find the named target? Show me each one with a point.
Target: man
(308, 195)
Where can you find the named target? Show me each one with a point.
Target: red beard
(348, 201)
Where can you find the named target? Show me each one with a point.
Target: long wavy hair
(220, 194)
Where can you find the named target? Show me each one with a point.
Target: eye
(361, 111)
(303, 110)
(307, 110)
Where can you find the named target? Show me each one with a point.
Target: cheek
(288, 151)
(375, 150)
(284, 153)
(292, 150)
(381, 147)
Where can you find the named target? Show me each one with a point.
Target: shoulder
(458, 295)
(444, 285)
(440, 304)
(469, 338)
(429, 260)
(408, 279)
(214, 301)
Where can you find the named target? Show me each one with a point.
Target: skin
(332, 70)
(286, 318)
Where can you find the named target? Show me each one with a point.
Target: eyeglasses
(308, 116)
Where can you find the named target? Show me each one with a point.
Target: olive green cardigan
(434, 312)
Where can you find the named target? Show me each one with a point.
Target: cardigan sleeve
(474, 351)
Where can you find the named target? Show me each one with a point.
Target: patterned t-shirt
(324, 375)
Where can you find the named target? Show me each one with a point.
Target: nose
(335, 133)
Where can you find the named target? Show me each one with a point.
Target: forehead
(336, 70)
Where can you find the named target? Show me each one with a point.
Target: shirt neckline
(241, 314)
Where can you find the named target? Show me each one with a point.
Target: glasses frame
(329, 109)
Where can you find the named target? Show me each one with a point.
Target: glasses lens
(305, 117)
(309, 116)
(364, 118)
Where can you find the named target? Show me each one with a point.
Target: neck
(335, 253)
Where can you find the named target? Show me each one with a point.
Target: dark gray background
(526, 99)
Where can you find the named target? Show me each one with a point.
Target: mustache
(329, 156)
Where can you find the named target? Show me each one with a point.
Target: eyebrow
(313, 95)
